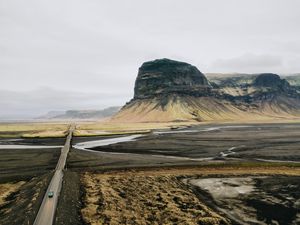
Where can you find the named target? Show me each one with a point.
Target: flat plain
(161, 177)
(24, 177)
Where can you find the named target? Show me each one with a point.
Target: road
(47, 209)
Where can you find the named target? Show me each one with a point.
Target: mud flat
(240, 141)
(253, 200)
(23, 164)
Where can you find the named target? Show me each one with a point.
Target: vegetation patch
(33, 129)
(138, 199)
(7, 189)
(22, 204)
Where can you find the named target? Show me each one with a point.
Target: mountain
(81, 114)
(169, 90)
(240, 80)
(51, 114)
(293, 79)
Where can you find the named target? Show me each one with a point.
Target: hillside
(81, 114)
(168, 90)
(242, 78)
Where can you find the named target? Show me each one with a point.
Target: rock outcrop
(269, 80)
(269, 85)
(165, 76)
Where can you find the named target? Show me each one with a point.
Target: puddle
(198, 130)
(92, 144)
(28, 146)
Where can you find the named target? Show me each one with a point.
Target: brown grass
(142, 199)
(7, 189)
(33, 129)
(113, 128)
(209, 109)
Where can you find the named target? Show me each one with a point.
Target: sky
(85, 54)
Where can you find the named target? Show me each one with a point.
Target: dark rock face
(165, 76)
(270, 80)
(272, 85)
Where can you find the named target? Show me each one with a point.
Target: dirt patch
(140, 199)
(225, 187)
(69, 204)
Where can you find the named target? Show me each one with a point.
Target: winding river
(86, 146)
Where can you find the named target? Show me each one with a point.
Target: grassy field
(111, 128)
(59, 129)
(33, 130)
(142, 200)
(53, 129)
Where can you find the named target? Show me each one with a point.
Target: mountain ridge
(177, 91)
(81, 114)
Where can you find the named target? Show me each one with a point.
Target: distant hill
(225, 80)
(168, 90)
(294, 79)
(240, 78)
(81, 114)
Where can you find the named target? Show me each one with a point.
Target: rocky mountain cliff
(168, 90)
(165, 76)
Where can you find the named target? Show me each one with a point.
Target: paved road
(47, 209)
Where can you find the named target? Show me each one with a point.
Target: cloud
(97, 46)
(249, 63)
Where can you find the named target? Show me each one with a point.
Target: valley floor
(163, 177)
(175, 195)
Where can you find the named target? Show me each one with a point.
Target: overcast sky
(84, 54)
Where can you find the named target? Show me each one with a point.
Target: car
(50, 194)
